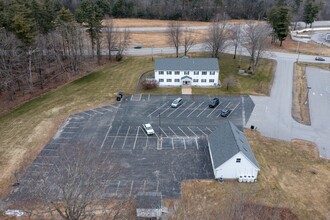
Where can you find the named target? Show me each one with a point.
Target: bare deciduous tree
(174, 34)
(236, 37)
(217, 38)
(111, 36)
(256, 36)
(122, 43)
(188, 40)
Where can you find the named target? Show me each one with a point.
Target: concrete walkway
(186, 90)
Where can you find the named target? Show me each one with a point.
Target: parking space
(160, 162)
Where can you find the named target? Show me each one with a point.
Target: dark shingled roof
(226, 141)
(189, 64)
(149, 200)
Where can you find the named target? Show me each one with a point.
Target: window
(177, 80)
(203, 80)
(195, 80)
(169, 80)
(186, 72)
(212, 73)
(161, 80)
(211, 80)
(169, 72)
(177, 72)
(238, 160)
(196, 73)
(204, 73)
(161, 72)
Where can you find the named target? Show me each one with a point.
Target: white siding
(233, 170)
(191, 74)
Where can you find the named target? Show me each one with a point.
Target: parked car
(137, 46)
(148, 129)
(225, 112)
(319, 59)
(214, 102)
(177, 102)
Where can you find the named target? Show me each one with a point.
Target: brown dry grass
(291, 176)
(300, 103)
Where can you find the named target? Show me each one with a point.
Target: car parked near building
(177, 102)
(225, 112)
(214, 102)
(319, 59)
(148, 129)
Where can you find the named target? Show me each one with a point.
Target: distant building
(149, 205)
(187, 71)
(231, 155)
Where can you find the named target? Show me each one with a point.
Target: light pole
(160, 134)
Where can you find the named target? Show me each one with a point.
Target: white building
(187, 71)
(231, 155)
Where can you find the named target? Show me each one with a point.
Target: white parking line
(183, 132)
(157, 185)
(195, 109)
(163, 132)
(208, 129)
(109, 110)
(72, 127)
(130, 192)
(159, 144)
(234, 109)
(213, 110)
(144, 185)
(185, 109)
(116, 136)
(172, 144)
(192, 131)
(175, 110)
(227, 106)
(114, 106)
(202, 111)
(137, 133)
(172, 131)
(196, 143)
(146, 147)
(68, 132)
(98, 112)
(86, 114)
(164, 110)
(117, 187)
(129, 127)
(157, 109)
(201, 130)
(184, 142)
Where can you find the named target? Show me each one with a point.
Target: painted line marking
(195, 109)
(172, 131)
(137, 133)
(117, 187)
(76, 122)
(163, 132)
(172, 144)
(227, 106)
(98, 112)
(184, 142)
(146, 146)
(157, 185)
(130, 192)
(164, 111)
(202, 111)
(183, 132)
(196, 143)
(243, 111)
(72, 127)
(234, 109)
(68, 132)
(129, 127)
(214, 109)
(114, 106)
(185, 109)
(144, 185)
(201, 131)
(86, 114)
(109, 110)
(192, 131)
(208, 129)
(156, 109)
(175, 110)
(116, 135)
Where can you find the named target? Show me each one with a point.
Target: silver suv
(177, 102)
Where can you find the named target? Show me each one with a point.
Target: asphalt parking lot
(177, 151)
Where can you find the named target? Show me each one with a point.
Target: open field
(292, 176)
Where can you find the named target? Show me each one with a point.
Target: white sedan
(148, 129)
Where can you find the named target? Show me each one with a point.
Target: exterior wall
(177, 81)
(233, 170)
(149, 213)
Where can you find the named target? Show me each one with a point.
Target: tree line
(43, 42)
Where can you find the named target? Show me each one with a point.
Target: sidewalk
(186, 90)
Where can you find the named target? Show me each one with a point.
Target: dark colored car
(214, 102)
(225, 112)
(137, 46)
(319, 59)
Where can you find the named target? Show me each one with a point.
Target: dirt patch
(300, 102)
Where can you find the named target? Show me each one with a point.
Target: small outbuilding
(231, 155)
(187, 71)
(149, 205)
